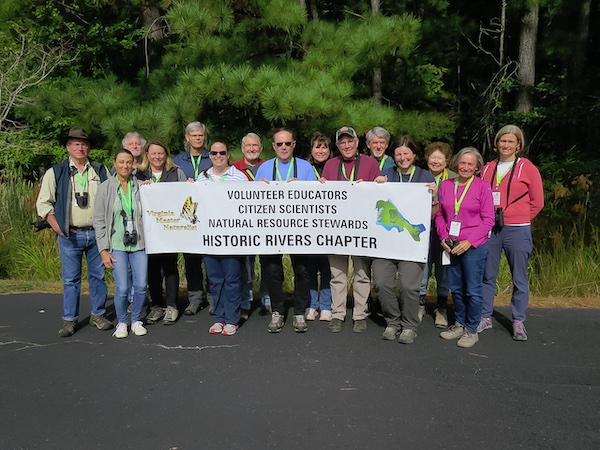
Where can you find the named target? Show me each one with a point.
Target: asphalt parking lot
(179, 387)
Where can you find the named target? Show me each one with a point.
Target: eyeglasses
(287, 144)
(222, 153)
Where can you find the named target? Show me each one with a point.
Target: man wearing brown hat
(349, 166)
(66, 201)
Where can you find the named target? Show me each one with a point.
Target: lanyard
(127, 199)
(220, 179)
(156, 178)
(382, 162)
(457, 201)
(277, 174)
(412, 174)
(82, 178)
(512, 172)
(250, 174)
(342, 169)
(195, 164)
(500, 177)
(441, 177)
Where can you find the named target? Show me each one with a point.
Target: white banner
(389, 220)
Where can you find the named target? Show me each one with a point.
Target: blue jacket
(184, 161)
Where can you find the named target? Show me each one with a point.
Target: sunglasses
(212, 153)
(287, 144)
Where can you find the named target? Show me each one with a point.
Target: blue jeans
(517, 244)
(465, 275)
(71, 250)
(131, 271)
(319, 298)
(225, 276)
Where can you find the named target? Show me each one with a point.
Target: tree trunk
(579, 53)
(377, 77)
(527, 45)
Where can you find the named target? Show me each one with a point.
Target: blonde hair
(508, 129)
(169, 164)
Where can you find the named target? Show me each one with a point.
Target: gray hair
(253, 136)
(380, 132)
(195, 126)
(454, 163)
(133, 134)
(506, 129)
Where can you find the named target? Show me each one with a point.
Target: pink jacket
(526, 191)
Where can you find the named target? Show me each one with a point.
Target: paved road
(179, 387)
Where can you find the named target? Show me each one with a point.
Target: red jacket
(526, 196)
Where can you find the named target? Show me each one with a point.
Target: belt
(76, 229)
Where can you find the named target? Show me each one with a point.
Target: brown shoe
(68, 329)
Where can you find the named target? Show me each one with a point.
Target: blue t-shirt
(296, 168)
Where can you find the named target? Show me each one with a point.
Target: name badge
(129, 226)
(496, 197)
(455, 228)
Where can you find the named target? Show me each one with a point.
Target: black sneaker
(335, 326)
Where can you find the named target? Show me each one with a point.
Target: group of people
(474, 218)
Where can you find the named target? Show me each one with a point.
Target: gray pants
(403, 312)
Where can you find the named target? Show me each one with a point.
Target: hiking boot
(68, 329)
(100, 322)
(121, 331)
(325, 316)
(311, 314)
(216, 328)
(421, 312)
(441, 318)
(156, 313)
(484, 324)
(276, 323)
(468, 340)
(229, 330)
(170, 315)
(335, 326)
(300, 325)
(407, 336)
(519, 331)
(192, 309)
(454, 332)
(360, 326)
(138, 328)
(390, 334)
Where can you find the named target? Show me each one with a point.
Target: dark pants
(159, 265)
(273, 272)
(193, 271)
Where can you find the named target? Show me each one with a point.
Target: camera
(40, 225)
(130, 238)
(82, 199)
(498, 218)
(451, 242)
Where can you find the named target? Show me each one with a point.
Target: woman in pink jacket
(518, 197)
(463, 223)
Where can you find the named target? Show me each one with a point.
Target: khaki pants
(339, 285)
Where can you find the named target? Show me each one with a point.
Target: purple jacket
(476, 213)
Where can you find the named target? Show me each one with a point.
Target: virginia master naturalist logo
(389, 217)
(188, 211)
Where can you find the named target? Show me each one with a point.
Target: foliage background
(449, 71)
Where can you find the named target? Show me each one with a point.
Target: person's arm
(536, 191)
(101, 216)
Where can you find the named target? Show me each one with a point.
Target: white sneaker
(138, 328)
(121, 331)
(326, 316)
(311, 314)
